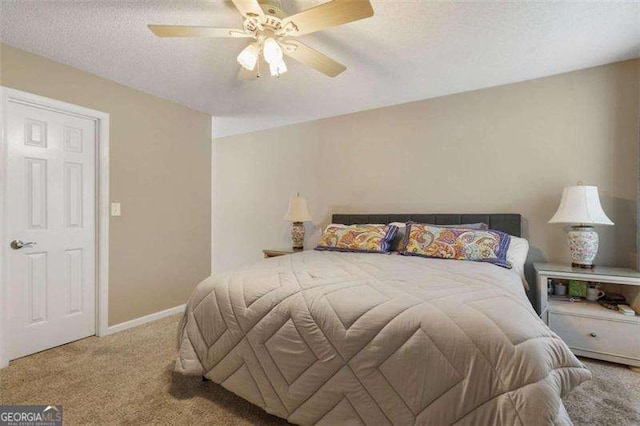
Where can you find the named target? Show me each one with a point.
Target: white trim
(4, 357)
(213, 191)
(145, 319)
(103, 217)
(102, 203)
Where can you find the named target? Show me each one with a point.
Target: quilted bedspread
(359, 338)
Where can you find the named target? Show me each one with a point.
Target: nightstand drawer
(603, 336)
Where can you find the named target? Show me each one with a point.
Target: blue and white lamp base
(583, 243)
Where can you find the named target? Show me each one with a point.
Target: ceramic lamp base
(297, 235)
(583, 243)
(579, 265)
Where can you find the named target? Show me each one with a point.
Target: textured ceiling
(409, 50)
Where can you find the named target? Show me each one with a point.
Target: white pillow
(517, 256)
(315, 238)
(396, 244)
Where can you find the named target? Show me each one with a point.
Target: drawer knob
(593, 334)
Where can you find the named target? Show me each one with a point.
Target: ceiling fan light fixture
(272, 33)
(249, 57)
(272, 51)
(278, 68)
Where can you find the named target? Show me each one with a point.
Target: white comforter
(342, 338)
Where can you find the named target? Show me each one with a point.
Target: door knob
(18, 244)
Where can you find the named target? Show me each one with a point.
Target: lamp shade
(249, 57)
(272, 51)
(580, 204)
(298, 210)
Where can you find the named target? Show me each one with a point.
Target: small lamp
(298, 212)
(580, 206)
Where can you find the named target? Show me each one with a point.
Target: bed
(366, 338)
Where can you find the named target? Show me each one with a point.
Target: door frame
(101, 120)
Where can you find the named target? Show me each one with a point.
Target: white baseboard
(145, 319)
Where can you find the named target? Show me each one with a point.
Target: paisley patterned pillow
(457, 243)
(398, 241)
(359, 238)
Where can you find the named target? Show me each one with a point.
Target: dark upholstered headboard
(509, 223)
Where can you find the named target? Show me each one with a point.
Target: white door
(50, 208)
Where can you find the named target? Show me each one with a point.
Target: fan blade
(313, 58)
(330, 14)
(249, 7)
(186, 31)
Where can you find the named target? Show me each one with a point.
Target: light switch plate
(115, 209)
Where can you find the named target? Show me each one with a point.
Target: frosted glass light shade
(249, 57)
(272, 51)
(298, 210)
(278, 68)
(580, 204)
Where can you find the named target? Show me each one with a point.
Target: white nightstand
(589, 329)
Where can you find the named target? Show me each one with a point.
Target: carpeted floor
(128, 378)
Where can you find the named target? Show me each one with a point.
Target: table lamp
(297, 214)
(580, 207)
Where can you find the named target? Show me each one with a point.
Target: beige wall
(504, 149)
(160, 171)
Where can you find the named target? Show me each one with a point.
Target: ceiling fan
(274, 33)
